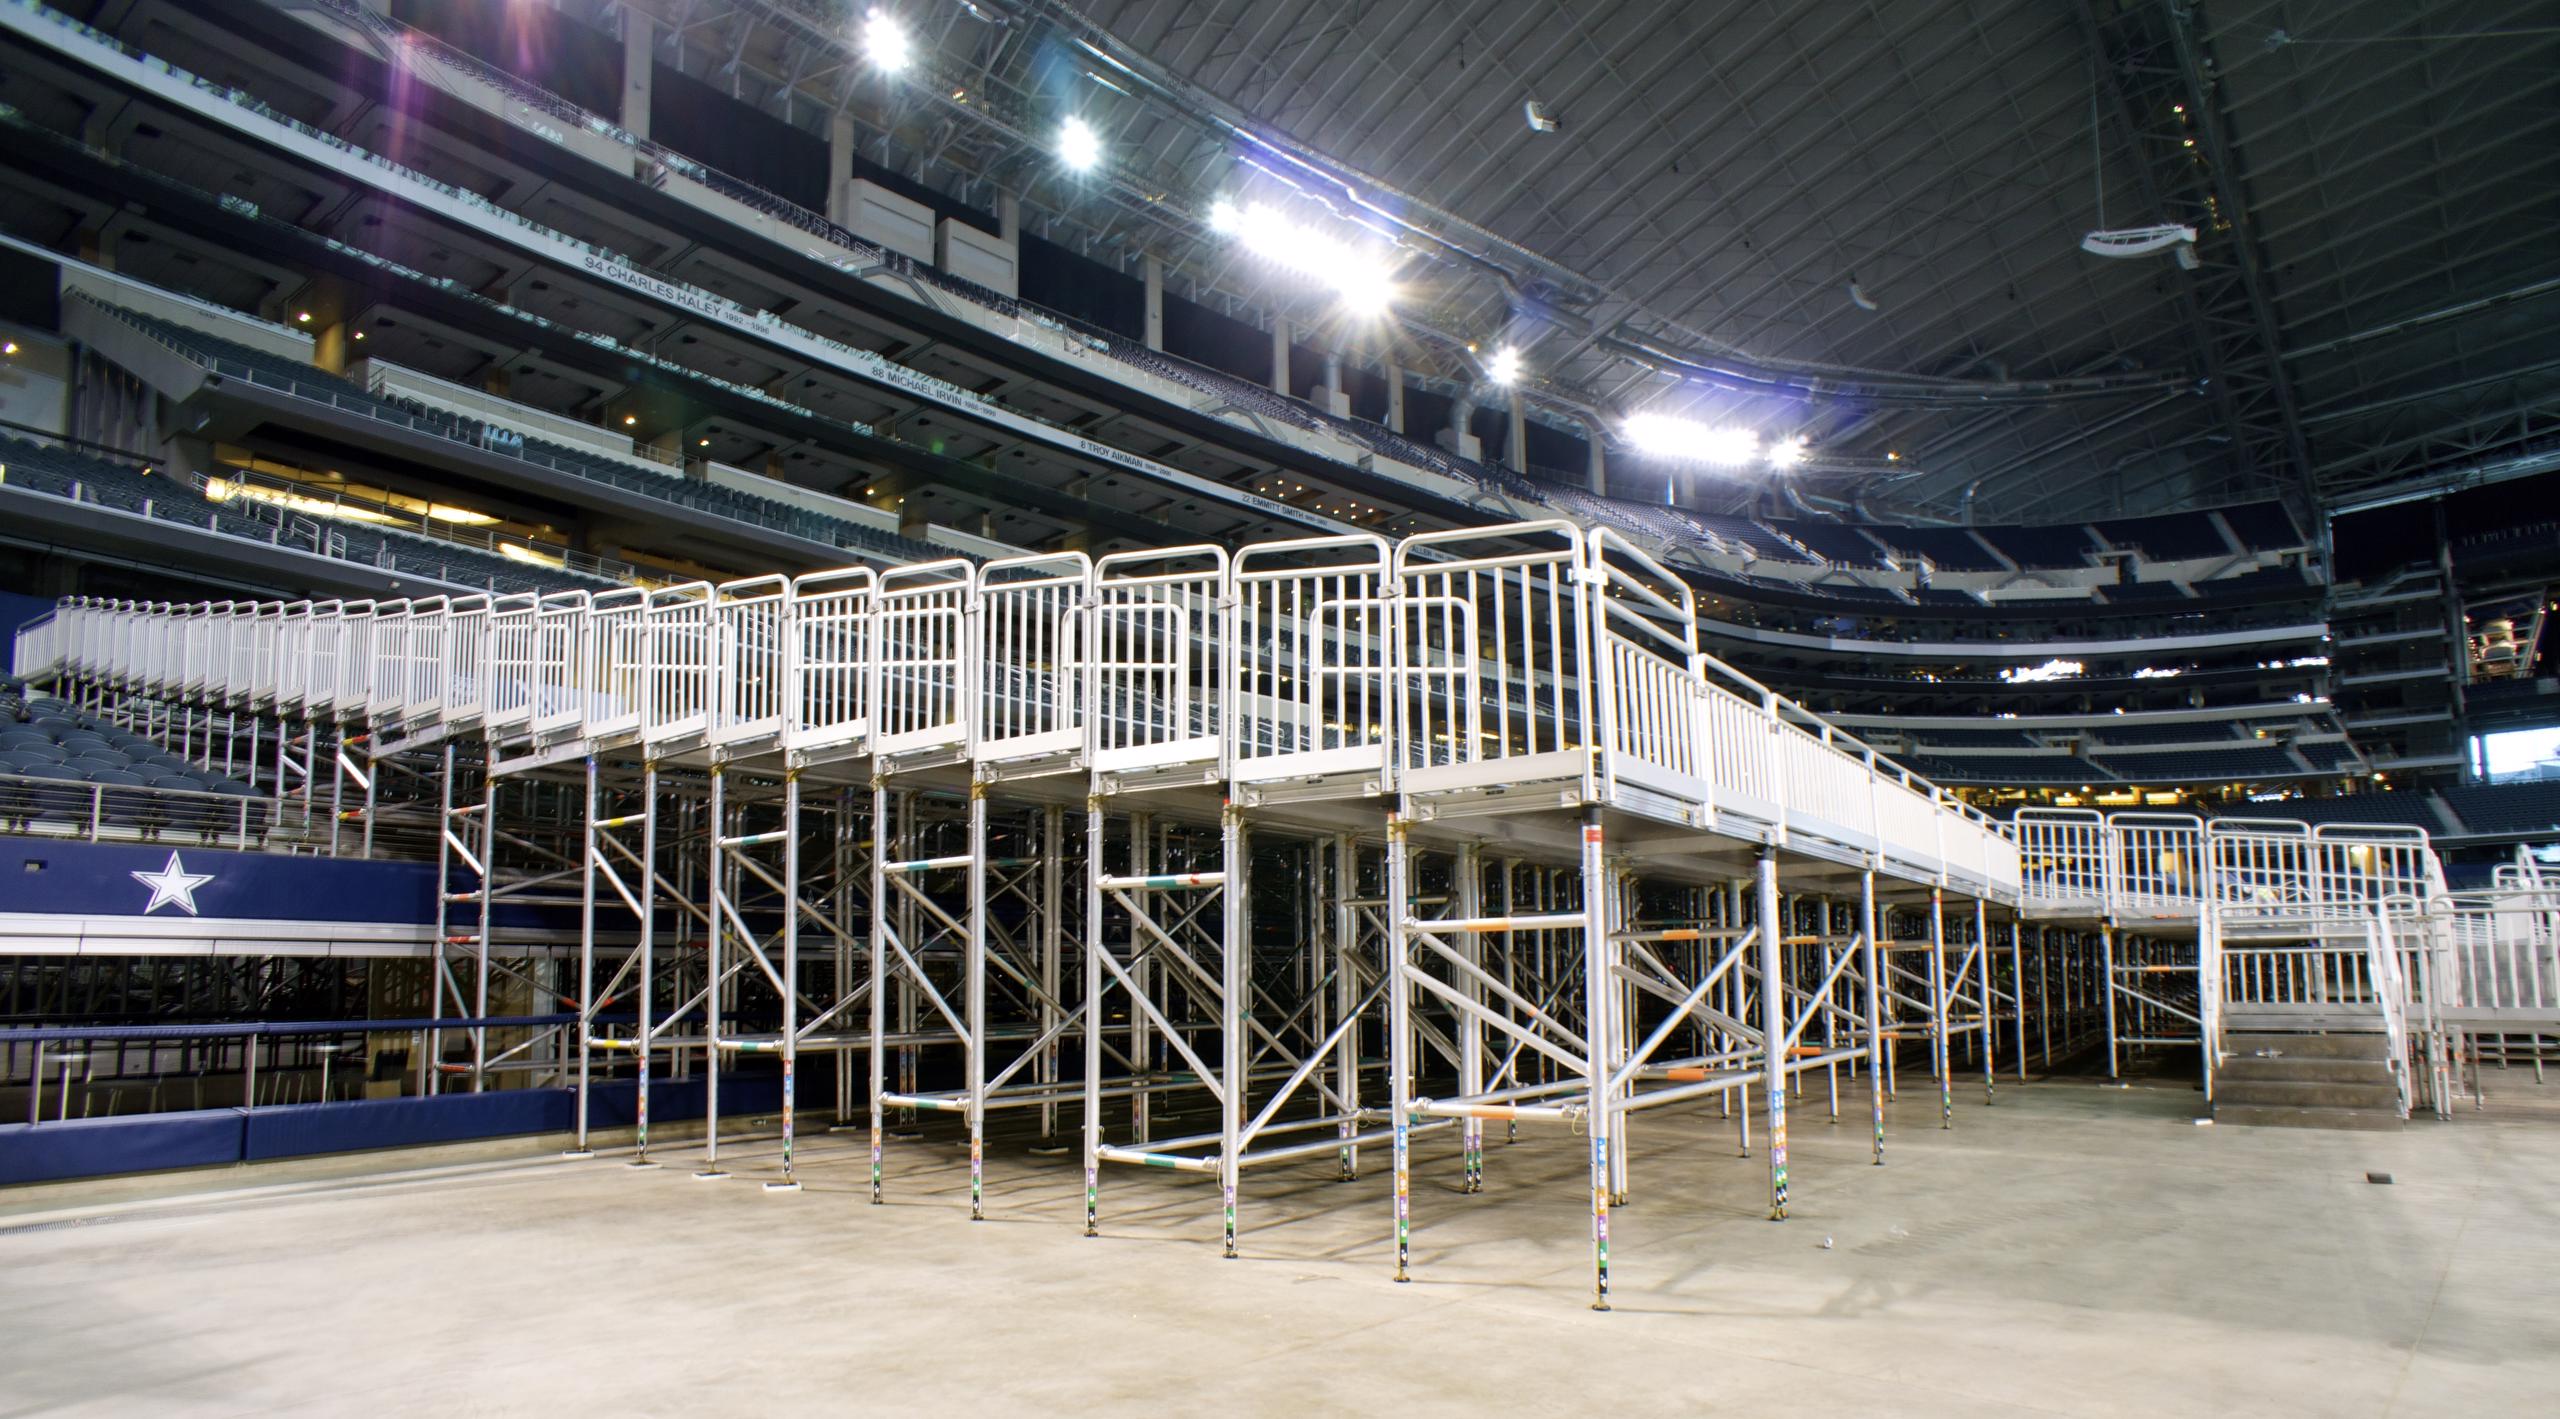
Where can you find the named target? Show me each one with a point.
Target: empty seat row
(260, 366)
(2016, 768)
(1837, 543)
(102, 482)
(2263, 527)
(2143, 591)
(2329, 754)
(1927, 739)
(1947, 548)
(2169, 537)
(2055, 548)
(2416, 810)
(2264, 583)
(2189, 732)
(62, 766)
(2192, 765)
(2530, 807)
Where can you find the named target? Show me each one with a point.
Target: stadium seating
(2329, 754)
(1927, 739)
(1837, 543)
(63, 770)
(242, 361)
(1947, 548)
(1765, 541)
(2263, 527)
(2416, 810)
(2015, 768)
(2506, 694)
(63, 473)
(2133, 592)
(2205, 732)
(2508, 548)
(2194, 765)
(2532, 807)
(2170, 537)
(2044, 548)
(2266, 583)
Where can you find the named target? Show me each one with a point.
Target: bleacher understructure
(1381, 840)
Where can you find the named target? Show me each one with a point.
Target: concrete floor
(2078, 1249)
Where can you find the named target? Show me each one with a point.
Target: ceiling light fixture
(1504, 367)
(1359, 276)
(1689, 441)
(884, 42)
(1079, 147)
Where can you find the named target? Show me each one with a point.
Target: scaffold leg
(1874, 971)
(1399, 892)
(1095, 1017)
(1773, 1028)
(790, 975)
(712, 980)
(1598, 981)
(1990, 1004)
(880, 853)
(586, 953)
(1941, 1059)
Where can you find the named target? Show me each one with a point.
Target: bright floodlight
(1688, 441)
(1079, 147)
(1358, 275)
(884, 40)
(1786, 453)
(1504, 367)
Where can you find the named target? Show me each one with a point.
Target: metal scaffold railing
(2269, 924)
(1383, 842)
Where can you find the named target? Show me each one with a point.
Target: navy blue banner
(174, 882)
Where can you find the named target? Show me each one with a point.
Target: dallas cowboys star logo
(172, 885)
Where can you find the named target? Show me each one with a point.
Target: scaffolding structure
(1380, 840)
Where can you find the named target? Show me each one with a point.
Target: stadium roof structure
(1857, 222)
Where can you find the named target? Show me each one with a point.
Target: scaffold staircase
(2337, 1078)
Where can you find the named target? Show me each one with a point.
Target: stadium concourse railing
(1444, 663)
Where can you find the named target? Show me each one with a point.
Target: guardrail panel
(1315, 636)
(1030, 620)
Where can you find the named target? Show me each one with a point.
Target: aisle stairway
(2340, 1079)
